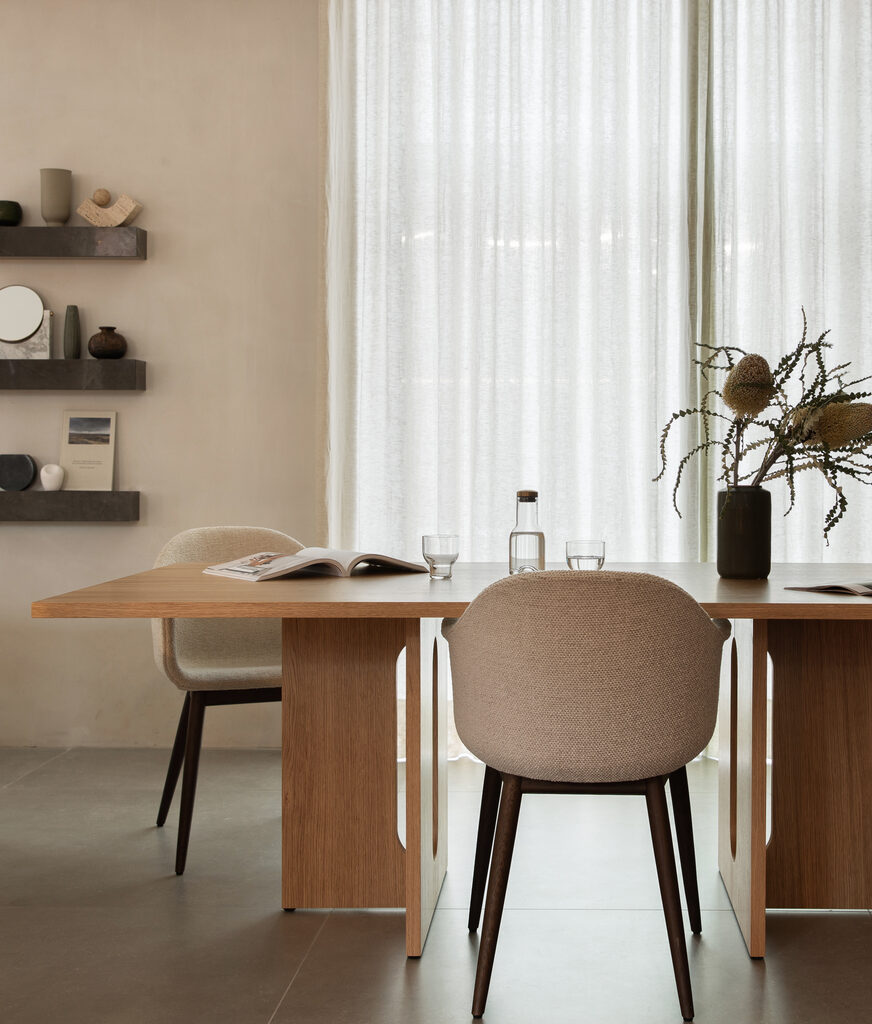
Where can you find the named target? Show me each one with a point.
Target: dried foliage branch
(800, 415)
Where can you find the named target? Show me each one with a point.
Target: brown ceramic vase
(107, 343)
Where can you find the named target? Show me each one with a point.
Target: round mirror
(20, 312)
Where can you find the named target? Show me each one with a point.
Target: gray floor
(95, 927)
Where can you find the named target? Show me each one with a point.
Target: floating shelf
(125, 243)
(72, 374)
(69, 506)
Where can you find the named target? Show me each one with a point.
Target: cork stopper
(528, 495)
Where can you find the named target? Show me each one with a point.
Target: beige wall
(206, 111)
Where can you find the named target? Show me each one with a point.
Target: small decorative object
(25, 326)
(17, 472)
(10, 213)
(72, 333)
(101, 196)
(822, 425)
(52, 477)
(123, 211)
(107, 343)
(56, 193)
(88, 450)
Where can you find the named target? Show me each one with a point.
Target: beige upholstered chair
(215, 661)
(585, 682)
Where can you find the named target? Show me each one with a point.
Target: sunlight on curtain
(508, 272)
(791, 101)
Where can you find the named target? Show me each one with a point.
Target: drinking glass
(440, 552)
(585, 554)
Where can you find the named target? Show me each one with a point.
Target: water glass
(440, 552)
(585, 554)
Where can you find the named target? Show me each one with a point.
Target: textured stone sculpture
(123, 211)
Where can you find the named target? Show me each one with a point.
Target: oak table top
(184, 591)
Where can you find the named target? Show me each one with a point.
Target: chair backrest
(585, 676)
(184, 649)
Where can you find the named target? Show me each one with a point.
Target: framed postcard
(88, 450)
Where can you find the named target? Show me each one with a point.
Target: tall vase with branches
(801, 415)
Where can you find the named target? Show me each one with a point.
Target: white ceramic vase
(52, 477)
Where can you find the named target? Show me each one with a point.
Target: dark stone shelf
(72, 374)
(69, 506)
(126, 243)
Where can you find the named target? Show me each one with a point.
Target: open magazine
(265, 565)
(860, 589)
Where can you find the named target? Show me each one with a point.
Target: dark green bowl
(10, 213)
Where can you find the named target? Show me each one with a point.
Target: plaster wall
(207, 112)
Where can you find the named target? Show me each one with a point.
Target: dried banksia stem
(842, 422)
(749, 386)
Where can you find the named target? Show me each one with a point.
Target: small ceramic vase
(56, 194)
(72, 333)
(10, 213)
(107, 344)
(52, 477)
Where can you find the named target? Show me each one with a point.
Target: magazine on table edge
(858, 589)
(266, 565)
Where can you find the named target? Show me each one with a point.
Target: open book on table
(860, 589)
(265, 565)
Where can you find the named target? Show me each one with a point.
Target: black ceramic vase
(744, 533)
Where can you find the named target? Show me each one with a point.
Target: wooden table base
(339, 780)
(820, 851)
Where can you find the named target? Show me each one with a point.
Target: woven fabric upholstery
(220, 654)
(585, 676)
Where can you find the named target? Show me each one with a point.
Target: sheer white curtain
(791, 207)
(508, 270)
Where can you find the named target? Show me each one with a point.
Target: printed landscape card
(88, 450)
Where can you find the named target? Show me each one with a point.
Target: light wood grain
(820, 851)
(742, 780)
(339, 784)
(183, 591)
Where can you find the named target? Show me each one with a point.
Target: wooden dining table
(341, 641)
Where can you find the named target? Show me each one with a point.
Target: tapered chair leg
(487, 820)
(196, 711)
(177, 757)
(684, 834)
(661, 837)
(501, 862)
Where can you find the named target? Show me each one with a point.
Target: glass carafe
(526, 541)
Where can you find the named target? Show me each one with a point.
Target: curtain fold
(791, 209)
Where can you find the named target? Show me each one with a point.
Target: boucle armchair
(585, 682)
(214, 661)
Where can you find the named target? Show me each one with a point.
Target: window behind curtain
(515, 224)
(513, 267)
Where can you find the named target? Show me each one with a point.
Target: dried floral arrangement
(801, 415)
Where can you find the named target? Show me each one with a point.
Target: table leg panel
(426, 781)
(339, 789)
(820, 852)
(742, 780)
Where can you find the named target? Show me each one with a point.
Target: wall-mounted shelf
(69, 506)
(72, 374)
(125, 243)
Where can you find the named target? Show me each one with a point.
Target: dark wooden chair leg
(661, 837)
(177, 757)
(501, 862)
(487, 820)
(686, 854)
(196, 712)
